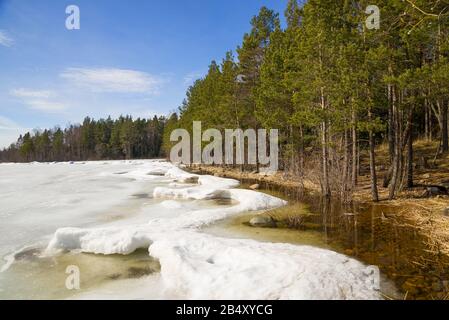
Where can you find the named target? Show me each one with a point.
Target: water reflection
(373, 235)
(36, 276)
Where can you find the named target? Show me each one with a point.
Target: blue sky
(130, 57)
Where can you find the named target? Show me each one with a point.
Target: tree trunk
(397, 148)
(410, 183)
(372, 162)
(301, 151)
(391, 140)
(324, 144)
(426, 121)
(345, 165)
(444, 129)
(354, 151)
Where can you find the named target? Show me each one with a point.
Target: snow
(195, 265)
(38, 198)
(205, 267)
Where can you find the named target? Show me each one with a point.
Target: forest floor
(429, 216)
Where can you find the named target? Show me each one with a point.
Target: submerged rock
(136, 272)
(262, 222)
(192, 180)
(255, 187)
(157, 173)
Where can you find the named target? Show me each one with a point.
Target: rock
(255, 187)
(192, 180)
(426, 176)
(262, 222)
(433, 191)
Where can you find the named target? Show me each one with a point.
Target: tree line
(123, 138)
(335, 87)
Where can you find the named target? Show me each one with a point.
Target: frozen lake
(133, 228)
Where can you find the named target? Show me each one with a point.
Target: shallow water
(34, 276)
(365, 232)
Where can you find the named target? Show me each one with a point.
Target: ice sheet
(199, 266)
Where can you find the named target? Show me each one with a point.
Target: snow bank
(195, 265)
(198, 266)
(100, 241)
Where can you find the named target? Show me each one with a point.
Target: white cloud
(42, 100)
(46, 106)
(113, 80)
(5, 40)
(27, 93)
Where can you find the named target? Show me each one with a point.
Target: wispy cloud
(42, 100)
(47, 106)
(113, 80)
(191, 77)
(9, 131)
(5, 40)
(28, 93)
(6, 124)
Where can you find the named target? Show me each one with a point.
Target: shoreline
(430, 215)
(407, 219)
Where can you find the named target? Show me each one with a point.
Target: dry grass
(426, 217)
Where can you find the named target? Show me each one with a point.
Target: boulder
(433, 191)
(262, 222)
(255, 187)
